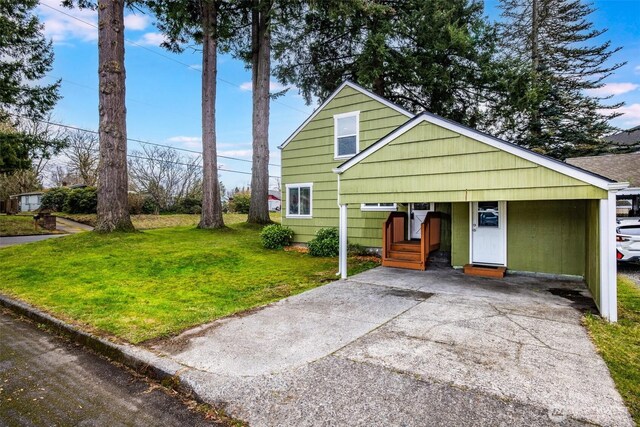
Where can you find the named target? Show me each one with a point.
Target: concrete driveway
(400, 347)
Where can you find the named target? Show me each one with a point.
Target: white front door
(488, 233)
(418, 214)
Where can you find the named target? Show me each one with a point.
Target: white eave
(333, 95)
(523, 153)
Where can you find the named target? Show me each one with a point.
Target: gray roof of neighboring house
(32, 193)
(626, 137)
(620, 167)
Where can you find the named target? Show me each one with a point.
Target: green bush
(189, 205)
(239, 203)
(354, 249)
(55, 199)
(82, 201)
(326, 243)
(149, 206)
(275, 236)
(136, 200)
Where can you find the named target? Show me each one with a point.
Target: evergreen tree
(549, 108)
(205, 22)
(25, 58)
(435, 55)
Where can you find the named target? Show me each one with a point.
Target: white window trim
(301, 185)
(364, 207)
(355, 114)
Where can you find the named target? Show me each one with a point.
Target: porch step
(404, 255)
(406, 246)
(484, 271)
(411, 265)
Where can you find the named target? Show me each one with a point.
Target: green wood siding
(309, 158)
(430, 163)
(459, 234)
(546, 236)
(592, 254)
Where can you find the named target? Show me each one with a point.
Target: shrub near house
(78, 200)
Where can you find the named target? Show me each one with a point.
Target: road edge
(140, 360)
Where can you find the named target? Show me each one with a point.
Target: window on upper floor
(346, 130)
(299, 201)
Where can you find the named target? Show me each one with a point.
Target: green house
(385, 177)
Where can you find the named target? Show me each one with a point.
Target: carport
(509, 207)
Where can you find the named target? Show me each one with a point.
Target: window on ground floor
(299, 200)
(379, 207)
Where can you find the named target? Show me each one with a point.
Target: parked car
(628, 242)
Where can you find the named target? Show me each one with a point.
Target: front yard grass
(19, 225)
(156, 283)
(619, 344)
(148, 222)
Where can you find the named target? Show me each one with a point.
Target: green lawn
(619, 344)
(158, 282)
(19, 225)
(147, 222)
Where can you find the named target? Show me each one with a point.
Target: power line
(134, 139)
(167, 57)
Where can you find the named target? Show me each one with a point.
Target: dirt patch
(580, 302)
(299, 249)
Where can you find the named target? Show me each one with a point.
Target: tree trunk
(261, 73)
(211, 205)
(113, 204)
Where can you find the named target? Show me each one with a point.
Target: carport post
(608, 264)
(343, 242)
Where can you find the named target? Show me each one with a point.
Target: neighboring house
(360, 163)
(28, 202)
(618, 167)
(274, 200)
(626, 140)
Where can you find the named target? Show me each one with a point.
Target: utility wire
(133, 139)
(167, 57)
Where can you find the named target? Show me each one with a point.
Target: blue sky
(163, 96)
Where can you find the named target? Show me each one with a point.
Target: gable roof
(626, 137)
(353, 86)
(620, 167)
(542, 160)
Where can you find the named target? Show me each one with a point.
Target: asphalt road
(46, 381)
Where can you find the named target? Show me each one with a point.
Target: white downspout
(343, 241)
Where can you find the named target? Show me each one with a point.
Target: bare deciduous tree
(164, 175)
(44, 141)
(82, 155)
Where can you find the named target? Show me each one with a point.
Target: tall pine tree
(25, 58)
(435, 55)
(549, 108)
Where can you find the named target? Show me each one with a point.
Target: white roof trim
(333, 95)
(541, 160)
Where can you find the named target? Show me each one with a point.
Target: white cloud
(637, 69)
(273, 86)
(191, 142)
(614, 89)
(136, 22)
(61, 28)
(64, 25)
(631, 115)
(196, 67)
(151, 39)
